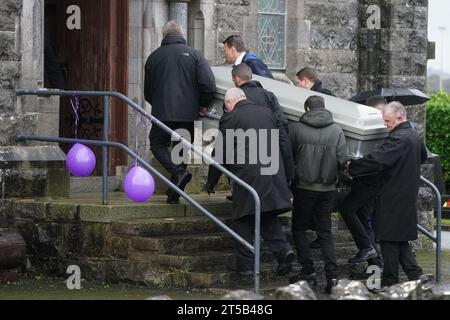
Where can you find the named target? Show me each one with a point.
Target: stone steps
(222, 280)
(193, 252)
(155, 243)
(205, 241)
(174, 226)
(217, 259)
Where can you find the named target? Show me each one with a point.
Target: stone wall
(10, 72)
(396, 54)
(27, 169)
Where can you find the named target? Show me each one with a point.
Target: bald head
(171, 28)
(233, 96)
(394, 113)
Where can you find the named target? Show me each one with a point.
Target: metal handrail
(255, 249)
(437, 238)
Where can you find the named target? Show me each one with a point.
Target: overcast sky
(439, 16)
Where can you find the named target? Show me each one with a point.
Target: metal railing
(106, 144)
(436, 239)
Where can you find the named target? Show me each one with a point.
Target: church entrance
(90, 53)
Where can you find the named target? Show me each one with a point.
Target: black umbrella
(406, 96)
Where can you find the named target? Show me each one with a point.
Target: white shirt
(239, 59)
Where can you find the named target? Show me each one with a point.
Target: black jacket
(319, 151)
(178, 81)
(272, 189)
(398, 160)
(317, 87)
(256, 93)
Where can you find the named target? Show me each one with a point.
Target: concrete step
(94, 184)
(192, 222)
(174, 226)
(220, 281)
(214, 260)
(88, 207)
(179, 244)
(182, 244)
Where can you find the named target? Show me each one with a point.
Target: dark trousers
(316, 207)
(395, 253)
(271, 232)
(160, 141)
(357, 211)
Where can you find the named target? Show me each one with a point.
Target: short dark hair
(308, 73)
(235, 41)
(375, 100)
(315, 102)
(242, 71)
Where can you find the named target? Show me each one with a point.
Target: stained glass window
(271, 32)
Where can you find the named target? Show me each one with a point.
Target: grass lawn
(445, 222)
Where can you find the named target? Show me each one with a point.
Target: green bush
(438, 130)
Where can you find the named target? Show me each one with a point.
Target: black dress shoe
(180, 180)
(284, 266)
(364, 255)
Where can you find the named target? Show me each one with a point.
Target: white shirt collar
(239, 59)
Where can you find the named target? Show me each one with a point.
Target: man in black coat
(246, 119)
(254, 91)
(307, 78)
(395, 220)
(178, 83)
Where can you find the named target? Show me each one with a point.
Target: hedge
(438, 130)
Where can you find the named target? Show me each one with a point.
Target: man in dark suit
(235, 54)
(398, 161)
(178, 82)
(243, 120)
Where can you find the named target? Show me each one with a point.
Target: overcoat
(272, 189)
(398, 160)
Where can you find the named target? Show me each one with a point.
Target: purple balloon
(80, 160)
(139, 184)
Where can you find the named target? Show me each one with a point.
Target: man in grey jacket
(319, 150)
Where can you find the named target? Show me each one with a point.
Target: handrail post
(257, 246)
(105, 148)
(438, 228)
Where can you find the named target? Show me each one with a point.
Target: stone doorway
(93, 57)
